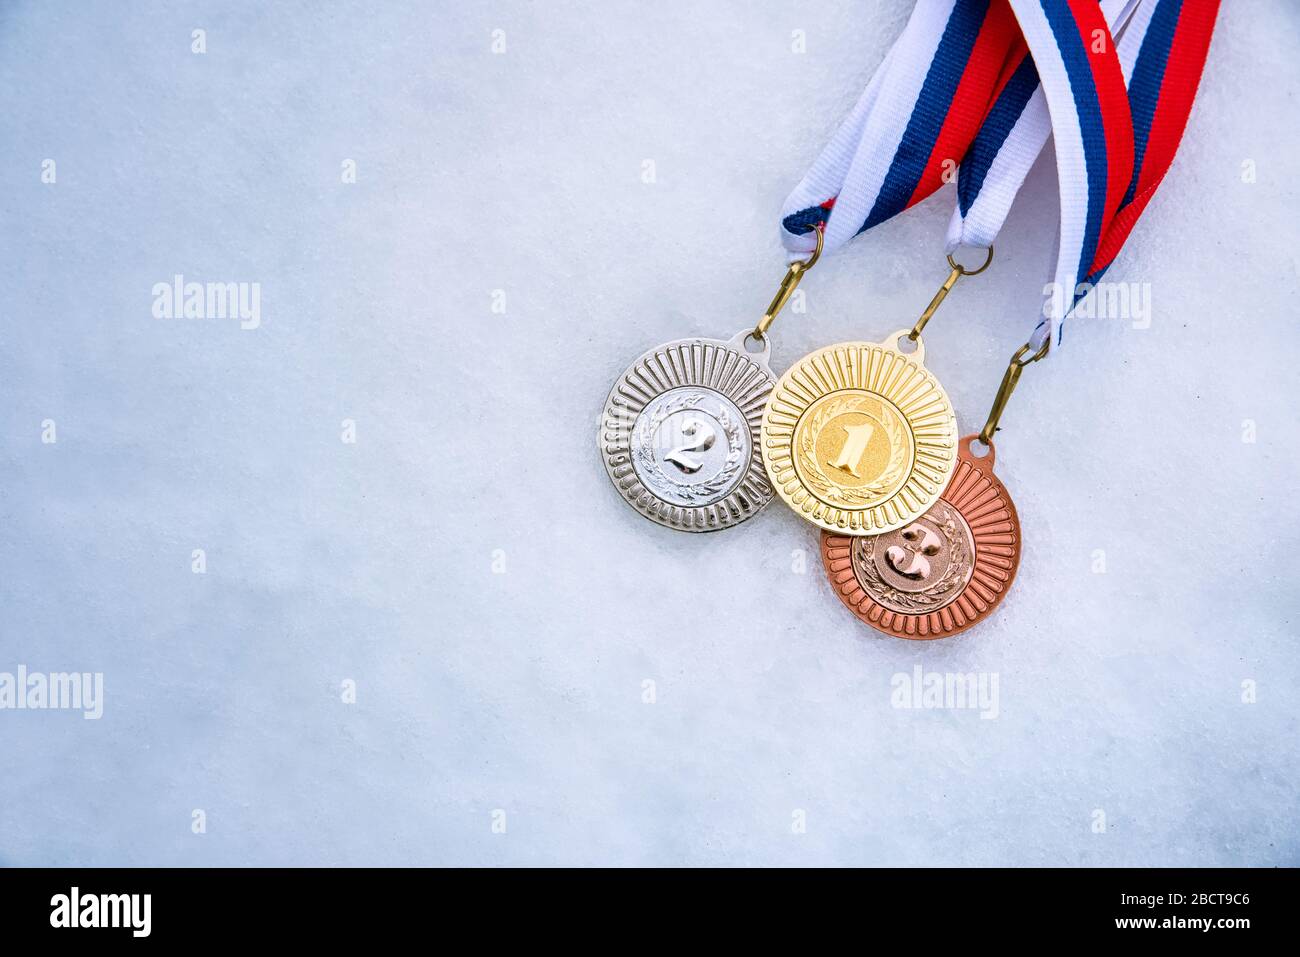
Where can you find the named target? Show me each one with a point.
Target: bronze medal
(940, 574)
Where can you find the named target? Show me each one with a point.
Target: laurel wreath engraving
(918, 602)
(700, 492)
(863, 495)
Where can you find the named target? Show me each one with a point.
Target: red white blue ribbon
(910, 127)
(1162, 62)
(1118, 114)
(1015, 129)
(983, 82)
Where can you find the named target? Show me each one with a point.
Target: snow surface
(466, 562)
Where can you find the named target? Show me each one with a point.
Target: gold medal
(860, 438)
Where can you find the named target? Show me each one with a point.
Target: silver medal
(679, 433)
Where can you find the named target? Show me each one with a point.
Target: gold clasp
(1009, 380)
(958, 270)
(788, 285)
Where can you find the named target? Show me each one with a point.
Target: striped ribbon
(1118, 113)
(1013, 134)
(911, 125)
(983, 83)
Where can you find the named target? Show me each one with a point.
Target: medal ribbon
(1013, 134)
(909, 128)
(1118, 114)
(986, 81)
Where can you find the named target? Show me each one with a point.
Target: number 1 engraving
(855, 446)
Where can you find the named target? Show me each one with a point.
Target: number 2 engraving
(702, 438)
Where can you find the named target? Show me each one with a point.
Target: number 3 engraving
(702, 436)
(918, 569)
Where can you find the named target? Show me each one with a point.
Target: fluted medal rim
(752, 492)
(966, 611)
(778, 459)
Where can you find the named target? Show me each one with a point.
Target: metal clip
(1009, 380)
(958, 270)
(788, 285)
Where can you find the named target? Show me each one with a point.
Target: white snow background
(522, 691)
